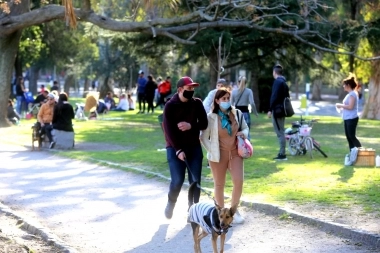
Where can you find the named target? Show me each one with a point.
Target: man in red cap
(184, 118)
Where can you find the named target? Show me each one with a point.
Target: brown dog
(206, 218)
(36, 136)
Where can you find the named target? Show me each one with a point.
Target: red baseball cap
(186, 81)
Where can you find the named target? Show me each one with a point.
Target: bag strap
(240, 120)
(240, 97)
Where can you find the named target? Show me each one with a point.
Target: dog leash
(196, 182)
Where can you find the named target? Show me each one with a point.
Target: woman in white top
(123, 104)
(243, 97)
(350, 111)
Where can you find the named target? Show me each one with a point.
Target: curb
(45, 234)
(341, 230)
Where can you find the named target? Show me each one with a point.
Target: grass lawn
(298, 180)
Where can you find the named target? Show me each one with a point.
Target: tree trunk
(317, 88)
(86, 87)
(8, 48)
(106, 87)
(255, 89)
(69, 82)
(33, 78)
(213, 73)
(372, 106)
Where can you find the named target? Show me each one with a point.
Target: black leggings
(350, 130)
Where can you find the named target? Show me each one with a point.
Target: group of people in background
(54, 110)
(146, 92)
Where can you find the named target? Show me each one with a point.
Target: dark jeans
(162, 101)
(350, 130)
(46, 129)
(177, 167)
(141, 99)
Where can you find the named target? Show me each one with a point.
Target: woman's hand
(241, 134)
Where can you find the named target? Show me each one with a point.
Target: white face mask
(225, 105)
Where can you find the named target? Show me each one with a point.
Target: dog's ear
(233, 208)
(217, 206)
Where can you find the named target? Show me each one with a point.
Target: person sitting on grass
(109, 101)
(123, 105)
(12, 115)
(41, 98)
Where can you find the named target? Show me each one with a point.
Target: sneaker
(280, 157)
(237, 218)
(52, 144)
(169, 210)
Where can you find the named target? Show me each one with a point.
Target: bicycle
(300, 141)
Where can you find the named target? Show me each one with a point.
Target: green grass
(299, 180)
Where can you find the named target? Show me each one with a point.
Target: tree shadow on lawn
(261, 172)
(345, 173)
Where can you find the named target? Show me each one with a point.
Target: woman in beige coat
(219, 139)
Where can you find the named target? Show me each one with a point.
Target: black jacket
(62, 117)
(280, 91)
(176, 111)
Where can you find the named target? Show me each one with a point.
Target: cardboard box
(366, 157)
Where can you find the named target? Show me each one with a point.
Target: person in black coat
(63, 115)
(150, 89)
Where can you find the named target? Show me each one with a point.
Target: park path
(92, 208)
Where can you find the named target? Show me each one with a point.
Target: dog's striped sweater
(198, 211)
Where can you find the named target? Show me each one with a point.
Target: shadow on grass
(345, 173)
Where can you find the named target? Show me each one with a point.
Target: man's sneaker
(169, 210)
(237, 218)
(280, 157)
(52, 144)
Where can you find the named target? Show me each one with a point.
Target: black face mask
(188, 94)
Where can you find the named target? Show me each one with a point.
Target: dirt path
(91, 208)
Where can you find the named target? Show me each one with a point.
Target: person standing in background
(349, 109)
(150, 89)
(165, 89)
(183, 119)
(55, 87)
(209, 100)
(20, 94)
(141, 83)
(241, 98)
(280, 91)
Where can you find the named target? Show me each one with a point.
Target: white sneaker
(238, 219)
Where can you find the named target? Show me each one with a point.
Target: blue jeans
(194, 157)
(20, 100)
(247, 118)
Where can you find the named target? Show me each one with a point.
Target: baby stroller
(33, 111)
